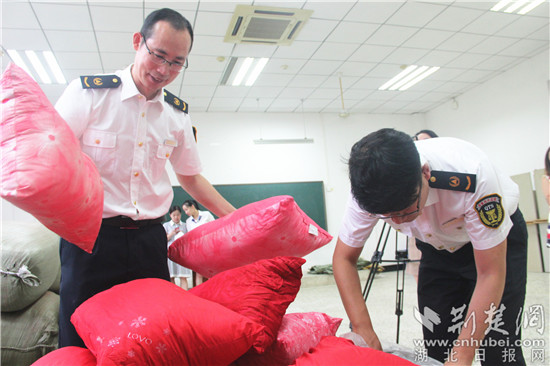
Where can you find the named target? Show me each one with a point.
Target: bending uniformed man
(131, 128)
(464, 214)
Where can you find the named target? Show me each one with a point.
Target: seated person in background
(196, 218)
(446, 193)
(424, 134)
(175, 228)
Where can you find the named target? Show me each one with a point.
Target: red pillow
(298, 333)
(67, 356)
(340, 351)
(154, 322)
(44, 171)
(260, 291)
(269, 228)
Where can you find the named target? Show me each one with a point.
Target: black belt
(124, 222)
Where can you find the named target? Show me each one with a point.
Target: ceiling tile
(115, 42)
(525, 47)
(406, 56)
(117, 60)
(490, 23)
(328, 10)
(253, 50)
(438, 58)
(523, 26)
(63, 16)
(24, 39)
(454, 19)
(311, 81)
(18, 15)
(224, 104)
(427, 39)
(416, 14)
(391, 35)
(493, 45)
(74, 41)
(316, 30)
(206, 63)
(462, 42)
(354, 68)
(496, 62)
(273, 80)
(467, 61)
(116, 19)
(84, 60)
(227, 91)
(262, 92)
(298, 49)
(371, 53)
(334, 51)
(320, 67)
(372, 12)
(352, 32)
(212, 24)
(211, 46)
(284, 66)
(201, 78)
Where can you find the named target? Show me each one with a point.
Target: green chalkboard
(310, 196)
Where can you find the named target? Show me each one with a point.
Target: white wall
(507, 117)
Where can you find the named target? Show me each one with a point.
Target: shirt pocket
(101, 147)
(164, 151)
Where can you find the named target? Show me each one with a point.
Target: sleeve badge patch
(490, 210)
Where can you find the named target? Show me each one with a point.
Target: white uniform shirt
(449, 219)
(130, 139)
(171, 226)
(204, 217)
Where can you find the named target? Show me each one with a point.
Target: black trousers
(446, 281)
(119, 256)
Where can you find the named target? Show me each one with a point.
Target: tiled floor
(319, 293)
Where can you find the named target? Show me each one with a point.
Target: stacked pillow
(272, 227)
(44, 170)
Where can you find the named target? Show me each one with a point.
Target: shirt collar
(129, 88)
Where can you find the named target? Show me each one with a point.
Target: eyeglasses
(384, 217)
(159, 60)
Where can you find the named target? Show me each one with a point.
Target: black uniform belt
(126, 222)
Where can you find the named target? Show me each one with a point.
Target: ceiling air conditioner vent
(266, 25)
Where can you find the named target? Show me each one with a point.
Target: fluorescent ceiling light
(402, 74)
(530, 7)
(54, 66)
(500, 5)
(408, 77)
(256, 72)
(509, 6)
(241, 70)
(44, 65)
(424, 75)
(16, 58)
(515, 6)
(37, 65)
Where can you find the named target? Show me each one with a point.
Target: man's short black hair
(385, 171)
(175, 19)
(427, 132)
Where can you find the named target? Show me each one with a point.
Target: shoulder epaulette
(100, 81)
(462, 182)
(175, 101)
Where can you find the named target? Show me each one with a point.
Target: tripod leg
(399, 287)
